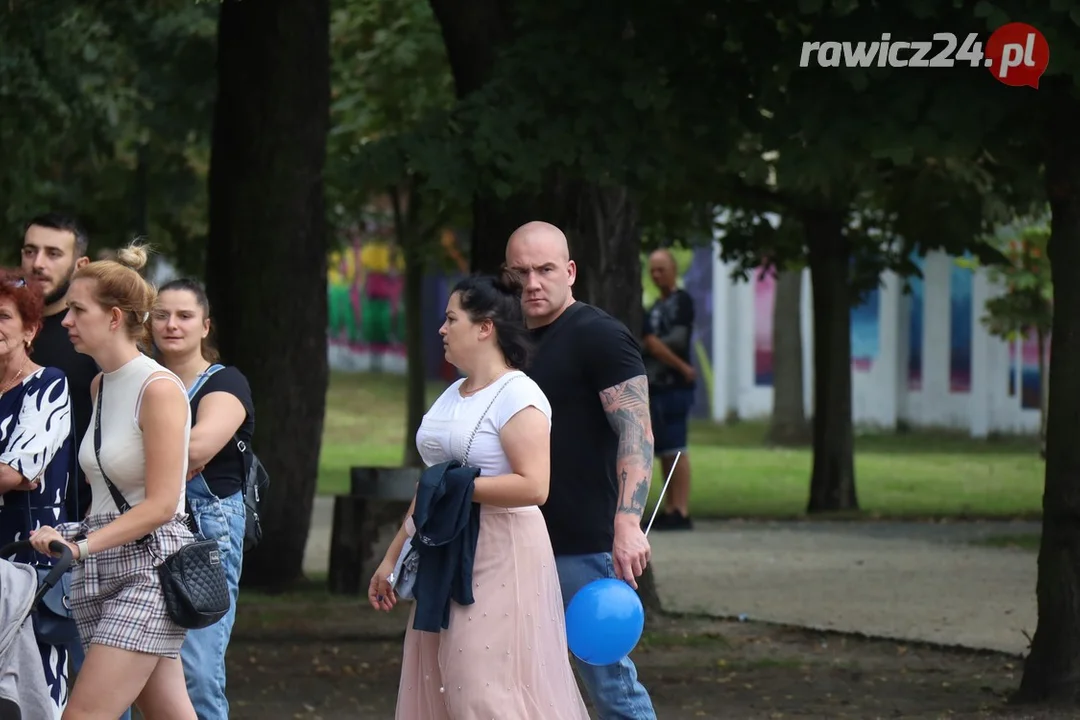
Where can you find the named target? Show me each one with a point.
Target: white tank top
(121, 437)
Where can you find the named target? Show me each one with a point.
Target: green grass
(939, 473)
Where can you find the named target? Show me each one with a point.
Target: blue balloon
(604, 622)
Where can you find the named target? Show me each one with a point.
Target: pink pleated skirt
(505, 656)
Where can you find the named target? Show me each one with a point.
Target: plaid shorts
(116, 595)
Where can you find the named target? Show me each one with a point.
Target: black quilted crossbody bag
(192, 578)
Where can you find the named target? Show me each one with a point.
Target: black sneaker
(673, 520)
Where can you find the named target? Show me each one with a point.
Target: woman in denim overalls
(223, 417)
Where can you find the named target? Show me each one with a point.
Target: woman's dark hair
(209, 349)
(486, 297)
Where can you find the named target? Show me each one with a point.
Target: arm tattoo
(627, 409)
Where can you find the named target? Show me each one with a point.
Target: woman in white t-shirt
(505, 655)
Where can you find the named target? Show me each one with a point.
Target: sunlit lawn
(734, 474)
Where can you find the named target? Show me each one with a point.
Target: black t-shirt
(582, 353)
(53, 348)
(671, 320)
(224, 474)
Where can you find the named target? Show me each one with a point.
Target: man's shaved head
(664, 270)
(539, 254)
(664, 255)
(539, 234)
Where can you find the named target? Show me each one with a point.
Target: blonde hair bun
(133, 256)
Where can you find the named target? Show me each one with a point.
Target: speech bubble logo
(1017, 54)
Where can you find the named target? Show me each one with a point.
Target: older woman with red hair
(36, 448)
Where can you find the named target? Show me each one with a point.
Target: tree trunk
(605, 241)
(494, 219)
(788, 425)
(1052, 669)
(832, 483)
(473, 32)
(412, 245)
(605, 238)
(266, 254)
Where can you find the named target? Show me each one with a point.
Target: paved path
(912, 581)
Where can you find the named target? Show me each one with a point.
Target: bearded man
(54, 246)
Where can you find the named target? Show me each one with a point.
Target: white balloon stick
(662, 491)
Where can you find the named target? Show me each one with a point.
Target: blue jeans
(203, 653)
(669, 410)
(614, 689)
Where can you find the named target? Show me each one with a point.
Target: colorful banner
(764, 308)
(866, 332)
(961, 327)
(367, 306)
(961, 324)
(698, 281)
(1030, 386)
(915, 330)
(865, 329)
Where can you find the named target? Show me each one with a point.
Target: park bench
(377, 501)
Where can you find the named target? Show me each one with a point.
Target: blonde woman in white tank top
(132, 645)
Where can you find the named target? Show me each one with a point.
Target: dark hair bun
(498, 298)
(509, 283)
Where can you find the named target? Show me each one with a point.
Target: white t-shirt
(445, 430)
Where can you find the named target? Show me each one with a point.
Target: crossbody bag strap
(479, 422)
(117, 496)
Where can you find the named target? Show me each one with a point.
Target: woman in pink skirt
(504, 656)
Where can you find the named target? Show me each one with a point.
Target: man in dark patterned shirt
(666, 351)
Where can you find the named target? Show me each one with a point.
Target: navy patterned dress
(36, 439)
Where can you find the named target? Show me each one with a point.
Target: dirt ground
(316, 657)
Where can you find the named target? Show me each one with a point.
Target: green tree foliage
(167, 160)
(392, 91)
(694, 106)
(113, 127)
(586, 104)
(1026, 306)
(871, 163)
(65, 105)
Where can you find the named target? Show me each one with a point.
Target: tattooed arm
(627, 408)
(612, 359)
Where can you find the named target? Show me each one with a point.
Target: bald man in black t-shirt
(590, 368)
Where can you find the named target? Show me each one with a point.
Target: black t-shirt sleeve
(610, 353)
(232, 381)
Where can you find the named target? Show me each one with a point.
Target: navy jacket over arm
(447, 528)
